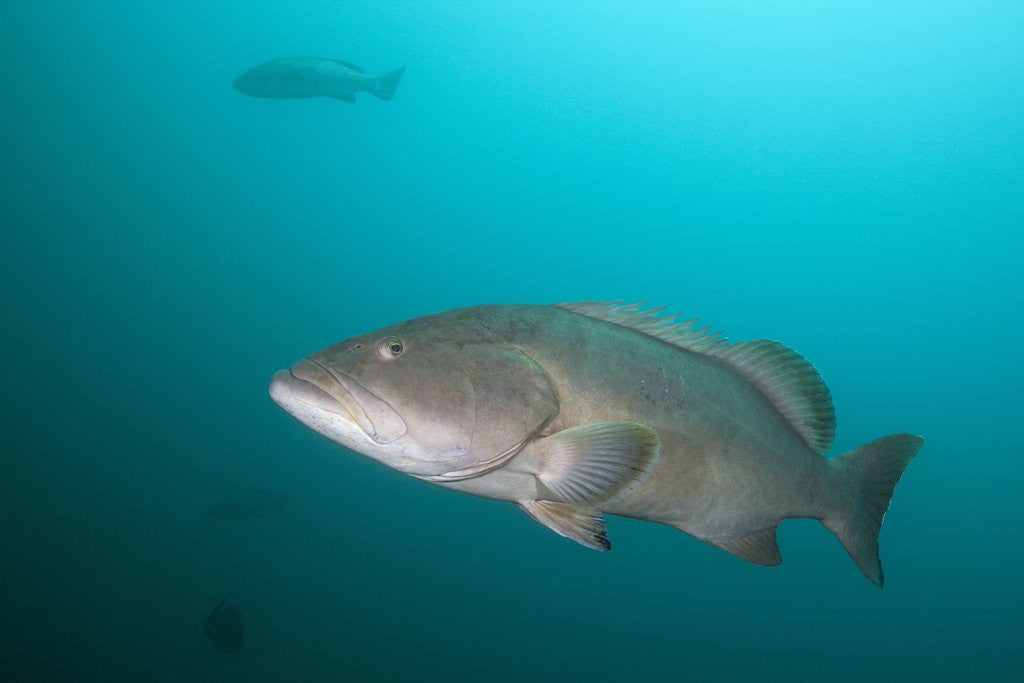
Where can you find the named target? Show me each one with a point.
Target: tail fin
(385, 84)
(871, 472)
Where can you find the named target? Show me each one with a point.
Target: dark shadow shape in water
(224, 628)
(250, 505)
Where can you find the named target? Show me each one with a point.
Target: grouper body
(305, 77)
(575, 410)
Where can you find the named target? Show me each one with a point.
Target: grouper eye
(391, 347)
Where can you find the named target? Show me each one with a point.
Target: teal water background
(845, 177)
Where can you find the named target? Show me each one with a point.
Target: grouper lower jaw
(375, 417)
(289, 391)
(317, 409)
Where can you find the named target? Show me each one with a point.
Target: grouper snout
(327, 400)
(285, 389)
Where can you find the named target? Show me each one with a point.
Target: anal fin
(759, 547)
(580, 524)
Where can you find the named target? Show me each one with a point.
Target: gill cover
(469, 408)
(512, 399)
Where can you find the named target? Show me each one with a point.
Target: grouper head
(438, 397)
(254, 83)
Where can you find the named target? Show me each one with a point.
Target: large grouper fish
(303, 77)
(579, 409)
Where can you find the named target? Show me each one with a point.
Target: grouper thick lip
(337, 392)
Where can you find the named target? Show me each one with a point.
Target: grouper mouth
(335, 392)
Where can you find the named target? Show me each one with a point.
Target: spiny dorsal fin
(784, 376)
(350, 65)
(683, 334)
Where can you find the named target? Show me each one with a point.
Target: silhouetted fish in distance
(224, 628)
(249, 505)
(304, 77)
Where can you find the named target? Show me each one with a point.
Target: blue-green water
(845, 177)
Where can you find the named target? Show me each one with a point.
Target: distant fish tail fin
(383, 86)
(870, 473)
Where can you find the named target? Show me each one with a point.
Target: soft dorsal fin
(792, 384)
(781, 374)
(350, 65)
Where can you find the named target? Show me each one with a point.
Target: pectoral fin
(596, 462)
(584, 526)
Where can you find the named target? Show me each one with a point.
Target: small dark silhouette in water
(248, 505)
(224, 628)
(302, 77)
